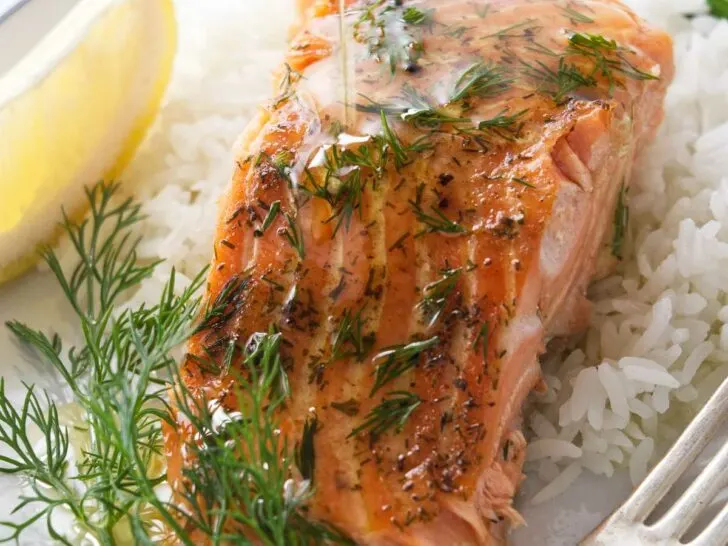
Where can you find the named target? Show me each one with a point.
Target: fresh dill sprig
(516, 30)
(621, 222)
(393, 412)
(522, 182)
(349, 340)
(393, 361)
(238, 489)
(120, 354)
(435, 295)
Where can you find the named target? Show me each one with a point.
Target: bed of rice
(658, 345)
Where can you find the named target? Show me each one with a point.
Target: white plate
(22, 30)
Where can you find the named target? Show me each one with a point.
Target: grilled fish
(416, 223)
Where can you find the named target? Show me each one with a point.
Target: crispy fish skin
(536, 204)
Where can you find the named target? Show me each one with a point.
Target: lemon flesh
(74, 111)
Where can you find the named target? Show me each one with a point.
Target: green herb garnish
(435, 295)
(434, 221)
(719, 8)
(393, 33)
(350, 341)
(576, 17)
(392, 412)
(559, 83)
(118, 377)
(482, 340)
(607, 57)
(273, 211)
(521, 30)
(294, 236)
(480, 80)
(392, 362)
(416, 16)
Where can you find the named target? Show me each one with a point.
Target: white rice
(658, 345)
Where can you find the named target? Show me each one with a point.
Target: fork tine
(709, 483)
(692, 442)
(716, 532)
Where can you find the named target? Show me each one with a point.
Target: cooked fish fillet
(509, 130)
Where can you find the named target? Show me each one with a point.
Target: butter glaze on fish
(535, 206)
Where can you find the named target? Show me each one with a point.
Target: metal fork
(627, 527)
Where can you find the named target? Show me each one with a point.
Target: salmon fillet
(417, 241)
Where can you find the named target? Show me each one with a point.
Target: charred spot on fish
(336, 292)
(445, 178)
(460, 383)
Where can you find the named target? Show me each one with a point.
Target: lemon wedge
(73, 112)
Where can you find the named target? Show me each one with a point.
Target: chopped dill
(523, 182)
(436, 294)
(286, 89)
(393, 412)
(480, 80)
(346, 172)
(605, 56)
(608, 57)
(559, 83)
(394, 361)
(349, 340)
(294, 236)
(435, 220)
(273, 211)
(393, 34)
(482, 340)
